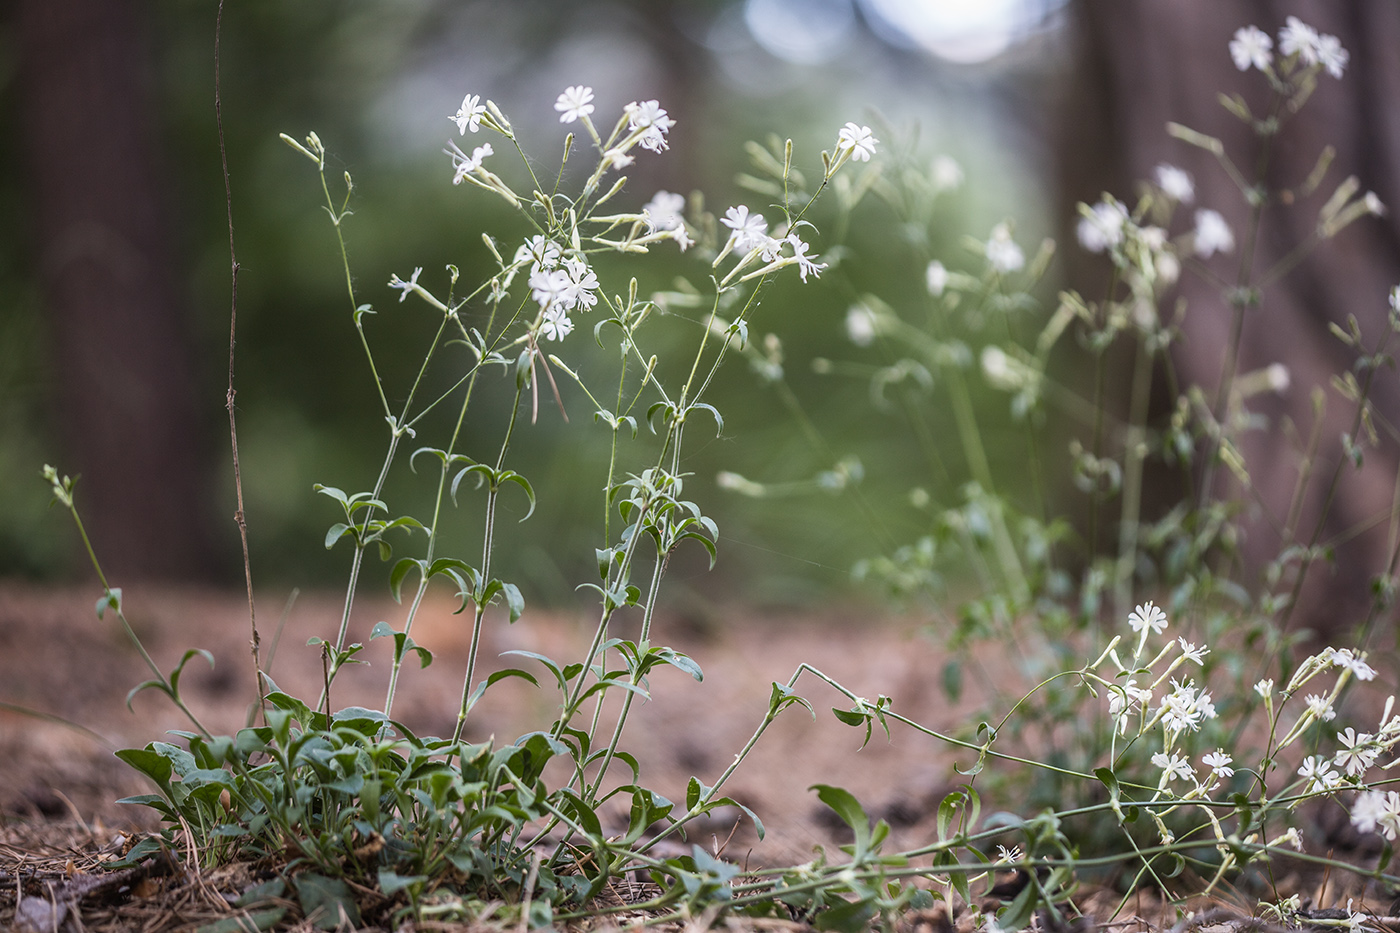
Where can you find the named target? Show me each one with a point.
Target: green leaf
(1021, 910)
(264, 893)
(719, 420)
(514, 600)
(138, 853)
(160, 685)
(510, 476)
(850, 717)
(844, 803)
(849, 917)
(151, 763)
(681, 662)
(326, 902)
(180, 668)
(495, 677)
(953, 681)
(335, 533)
(391, 883)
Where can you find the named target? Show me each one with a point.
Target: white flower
(995, 366)
(858, 140)
(1175, 182)
(582, 283)
(1374, 811)
(1332, 56)
(556, 324)
(1357, 754)
(804, 264)
(1219, 763)
(1121, 706)
(468, 116)
(1102, 227)
(770, 248)
(1173, 767)
(541, 251)
(1146, 616)
(1320, 707)
(749, 229)
(1212, 234)
(463, 164)
(936, 278)
(574, 103)
(1185, 708)
(648, 117)
(682, 238)
(945, 173)
(396, 282)
(664, 210)
(550, 287)
(1191, 653)
(861, 325)
(1319, 774)
(616, 158)
(1298, 37)
(1346, 658)
(1008, 856)
(1374, 204)
(1251, 46)
(1356, 920)
(1265, 687)
(1003, 255)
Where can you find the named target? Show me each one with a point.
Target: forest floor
(64, 676)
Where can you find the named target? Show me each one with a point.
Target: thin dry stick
(239, 517)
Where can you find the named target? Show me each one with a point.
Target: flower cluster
(649, 124)
(1146, 250)
(749, 238)
(558, 283)
(1251, 47)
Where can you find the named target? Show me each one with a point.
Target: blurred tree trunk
(124, 399)
(1142, 63)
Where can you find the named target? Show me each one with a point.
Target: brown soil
(64, 676)
(57, 659)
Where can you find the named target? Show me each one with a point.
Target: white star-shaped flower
(1251, 46)
(664, 210)
(1298, 37)
(859, 140)
(1176, 183)
(1212, 235)
(1146, 616)
(1219, 763)
(750, 230)
(1332, 56)
(468, 116)
(804, 264)
(574, 103)
(556, 324)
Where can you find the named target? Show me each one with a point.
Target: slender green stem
(1135, 452)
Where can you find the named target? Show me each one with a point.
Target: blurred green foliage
(306, 407)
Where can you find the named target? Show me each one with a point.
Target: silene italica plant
(1194, 764)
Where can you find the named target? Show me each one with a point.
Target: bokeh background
(114, 248)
